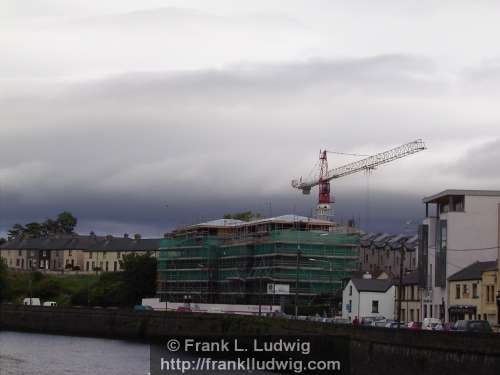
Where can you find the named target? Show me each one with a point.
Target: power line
(345, 153)
(472, 249)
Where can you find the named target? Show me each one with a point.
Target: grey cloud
(480, 164)
(206, 142)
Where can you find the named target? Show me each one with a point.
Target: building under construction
(267, 261)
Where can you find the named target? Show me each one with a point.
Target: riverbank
(373, 350)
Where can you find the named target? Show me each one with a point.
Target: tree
(17, 231)
(243, 216)
(3, 280)
(33, 230)
(66, 222)
(139, 277)
(50, 228)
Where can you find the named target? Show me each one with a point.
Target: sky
(139, 117)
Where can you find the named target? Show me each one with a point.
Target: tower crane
(324, 208)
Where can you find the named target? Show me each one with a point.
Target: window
(412, 316)
(350, 290)
(118, 254)
(430, 311)
(474, 291)
(425, 311)
(465, 291)
(70, 252)
(90, 254)
(87, 267)
(412, 293)
(115, 266)
(457, 291)
(375, 307)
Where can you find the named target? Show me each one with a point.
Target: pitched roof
(372, 285)
(473, 271)
(77, 242)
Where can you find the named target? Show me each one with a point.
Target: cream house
(488, 295)
(466, 291)
(411, 298)
(75, 253)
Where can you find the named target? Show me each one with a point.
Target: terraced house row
(82, 253)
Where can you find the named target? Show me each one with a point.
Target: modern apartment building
(460, 228)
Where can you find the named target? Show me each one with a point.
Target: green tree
(66, 222)
(139, 277)
(243, 216)
(33, 230)
(49, 228)
(17, 231)
(4, 285)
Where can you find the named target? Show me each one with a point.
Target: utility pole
(297, 284)
(400, 289)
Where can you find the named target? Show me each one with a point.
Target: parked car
(415, 325)
(368, 320)
(142, 308)
(31, 302)
(475, 326)
(49, 304)
(432, 324)
(379, 323)
(337, 320)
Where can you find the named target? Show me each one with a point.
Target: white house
(368, 297)
(460, 228)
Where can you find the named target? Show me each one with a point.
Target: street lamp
(201, 266)
(329, 275)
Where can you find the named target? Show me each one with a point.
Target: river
(40, 354)
(28, 353)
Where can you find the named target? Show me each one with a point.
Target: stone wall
(373, 350)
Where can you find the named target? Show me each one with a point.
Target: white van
(49, 304)
(432, 324)
(31, 302)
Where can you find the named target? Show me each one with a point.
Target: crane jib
(368, 163)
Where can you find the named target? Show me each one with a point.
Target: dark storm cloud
(117, 151)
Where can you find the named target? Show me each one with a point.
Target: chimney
(137, 236)
(125, 235)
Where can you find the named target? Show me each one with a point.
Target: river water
(40, 354)
(27, 353)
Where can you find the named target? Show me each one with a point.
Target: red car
(415, 325)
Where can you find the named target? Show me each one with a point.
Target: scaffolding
(238, 269)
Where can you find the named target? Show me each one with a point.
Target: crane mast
(369, 163)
